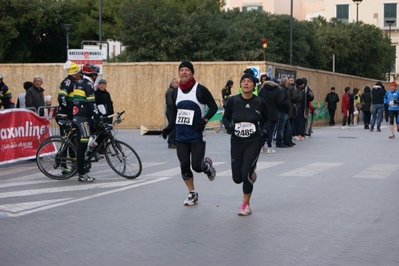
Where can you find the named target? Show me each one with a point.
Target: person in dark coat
(103, 100)
(271, 93)
(34, 96)
(331, 100)
(365, 98)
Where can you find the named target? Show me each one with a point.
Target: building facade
(381, 13)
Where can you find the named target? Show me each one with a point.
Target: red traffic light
(264, 41)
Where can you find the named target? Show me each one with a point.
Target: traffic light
(264, 41)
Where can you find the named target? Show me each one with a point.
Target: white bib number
(185, 117)
(392, 103)
(244, 129)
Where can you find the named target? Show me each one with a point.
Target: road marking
(378, 171)
(83, 198)
(311, 169)
(77, 187)
(18, 207)
(259, 167)
(173, 171)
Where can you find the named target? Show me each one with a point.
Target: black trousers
(332, 115)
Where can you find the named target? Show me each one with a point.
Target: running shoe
(392, 136)
(252, 178)
(270, 150)
(211, 173)
(245, 210)
(192, 199)
(86, 178)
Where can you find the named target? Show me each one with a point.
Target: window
(251, 8)
(343, 13)
(390, 14)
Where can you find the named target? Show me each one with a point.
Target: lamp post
(357, 2)
(291, 28)
(390, 21)
(67, 28)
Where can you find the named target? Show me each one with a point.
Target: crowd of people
(370, 104)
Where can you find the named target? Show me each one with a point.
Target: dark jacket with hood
(271, 93)
(366, 99)
(378, 93)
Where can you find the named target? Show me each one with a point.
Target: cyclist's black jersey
(84, 101)
(245, 116)
(65, 96)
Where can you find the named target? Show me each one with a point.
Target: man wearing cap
(188, 115)
(103, 100)
(391, 99)
(5, 95)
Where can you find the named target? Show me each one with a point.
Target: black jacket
(273, 97)
(104, 98)
(332, 99)
(378, 94)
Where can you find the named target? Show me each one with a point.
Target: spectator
(345, 108)
(34, 95)
(283, 139)
(270, 92)
(173, 84)
(356, 106)
(5, 95)
(226, 91)
(331, 103)
(293, 97)
(105, 107)
(366, 100)
(21, 97)
(377, 96)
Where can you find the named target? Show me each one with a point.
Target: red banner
(21, 132)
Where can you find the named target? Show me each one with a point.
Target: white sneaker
(270, 150)
(192, 199)
(245, 210)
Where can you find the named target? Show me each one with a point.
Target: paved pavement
(330, 200)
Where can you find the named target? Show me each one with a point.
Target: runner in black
(241, 118)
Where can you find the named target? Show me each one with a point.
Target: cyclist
(65, 99)
(84, 108)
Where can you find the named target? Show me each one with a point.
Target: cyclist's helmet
(90, 70)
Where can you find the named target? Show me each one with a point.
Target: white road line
(259, 167)
(378, 171)
(311, 169)
(18, 207)
(173, 171)
(83, 198)
(77, 187)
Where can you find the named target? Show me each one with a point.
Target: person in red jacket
(345, 104)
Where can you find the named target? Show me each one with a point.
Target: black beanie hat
(229, 83)
(251, 77)
(188, 65)
(299, 82)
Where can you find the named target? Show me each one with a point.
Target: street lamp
(390, 21)
(357, 2)
(291, 21)
(67, 28)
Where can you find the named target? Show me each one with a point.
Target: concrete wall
(139, 88)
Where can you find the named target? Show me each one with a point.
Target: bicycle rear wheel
(123, 159)
(57, 159)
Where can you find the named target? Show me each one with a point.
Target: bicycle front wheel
(57, 159)
(123, 159)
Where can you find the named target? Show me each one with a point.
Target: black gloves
(263, 132)
(230, 129)
(200, 125)
(165, 132)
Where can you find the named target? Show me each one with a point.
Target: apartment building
(381, 13)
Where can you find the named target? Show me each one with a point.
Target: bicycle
(56, 155)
